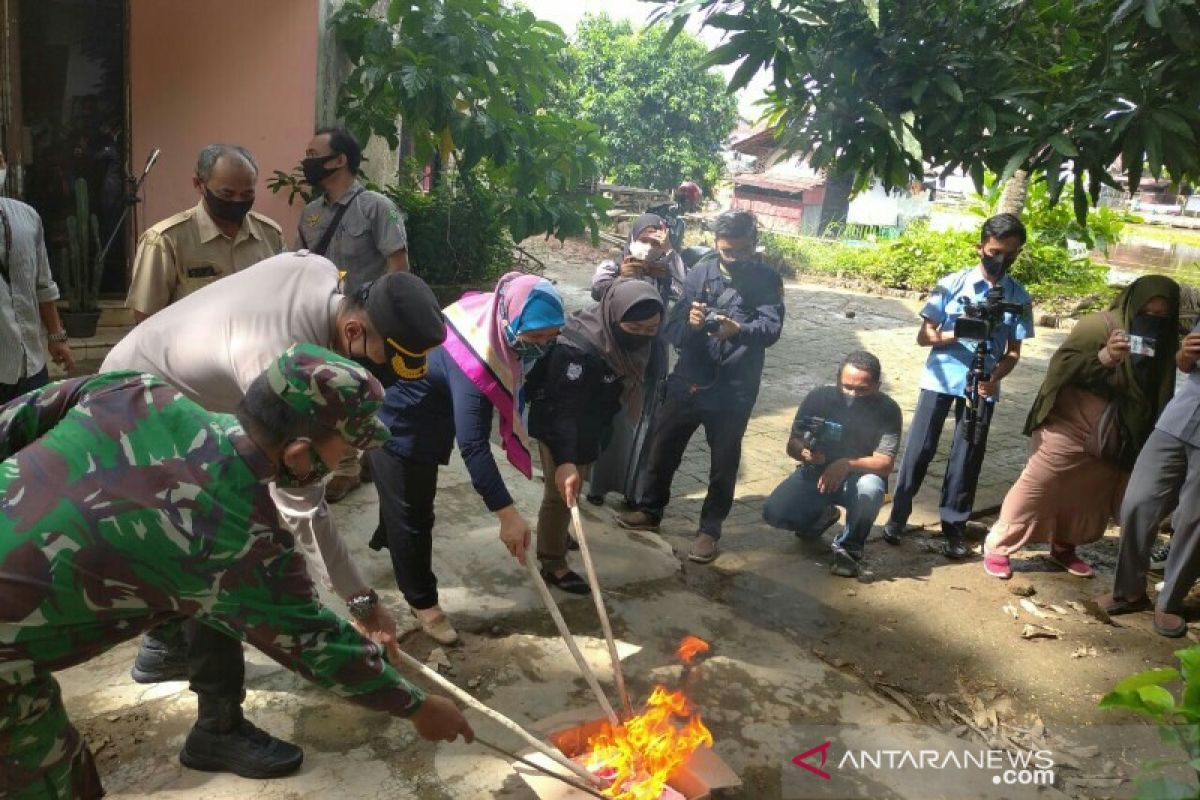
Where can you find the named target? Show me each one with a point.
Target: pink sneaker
(1066, 558)
(997, 566)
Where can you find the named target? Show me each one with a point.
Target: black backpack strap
(334, 224)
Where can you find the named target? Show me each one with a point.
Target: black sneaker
(844, 563)
(159, 660)
(891, 533)
(955, 547)
(246, 750)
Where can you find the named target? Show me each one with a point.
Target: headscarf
(478, 328)
(1139, 402)
(639, 225)
(592, 329)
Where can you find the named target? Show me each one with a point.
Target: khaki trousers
(554, 518)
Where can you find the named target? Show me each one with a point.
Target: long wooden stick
(601, 611)
(398, 656)
(568, 639)
(574, 784)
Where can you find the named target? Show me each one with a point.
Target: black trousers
(678, 417)
(215, 662)
(406, 493)
(962, 470)
(11, 391)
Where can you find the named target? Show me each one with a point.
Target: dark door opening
(73, 117)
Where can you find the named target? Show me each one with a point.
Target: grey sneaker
(704, 549)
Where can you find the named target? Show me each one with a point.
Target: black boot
(222, 740)
(162, 656)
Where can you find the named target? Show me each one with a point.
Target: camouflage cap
(336, 392)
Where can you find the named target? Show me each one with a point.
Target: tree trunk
(836, 205)
(1012, 200)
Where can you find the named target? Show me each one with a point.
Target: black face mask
(630, 341)
(228, 210)
(315, 170)
(995, 266)
(1147, 325)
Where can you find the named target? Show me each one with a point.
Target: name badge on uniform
(574, 371)
(206, 271)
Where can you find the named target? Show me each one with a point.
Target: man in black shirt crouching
(845, 438)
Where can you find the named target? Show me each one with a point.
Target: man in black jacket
(730, 312)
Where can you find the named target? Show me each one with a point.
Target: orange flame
(640, 755)
(690, 647)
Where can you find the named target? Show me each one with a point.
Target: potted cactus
(81, 268)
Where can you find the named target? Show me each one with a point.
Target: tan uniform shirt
(371, 230)
(187, 251)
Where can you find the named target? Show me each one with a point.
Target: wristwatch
(363, 604)
(61, 336)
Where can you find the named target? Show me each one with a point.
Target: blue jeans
(797, 505)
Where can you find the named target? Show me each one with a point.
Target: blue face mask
(530, 351)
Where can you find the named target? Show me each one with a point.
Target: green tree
(468, 77)
(663, 116)
(1057, 88)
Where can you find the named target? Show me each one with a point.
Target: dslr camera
(816, 433)
(978, 320)
(712, 321)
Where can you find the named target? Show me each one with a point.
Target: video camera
(979, 319)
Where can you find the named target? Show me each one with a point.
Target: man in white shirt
(211, 345)
(27, 301)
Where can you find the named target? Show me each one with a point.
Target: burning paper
(639, 755)
(690, 647)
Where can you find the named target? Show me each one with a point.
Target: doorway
(66, 77)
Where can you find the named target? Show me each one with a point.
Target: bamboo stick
(568, 639)
(574, 784)
(601, 611)
(398, 656)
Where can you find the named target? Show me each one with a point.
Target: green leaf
(949, 87)
(1164, 788)
(1063, 145)
(918, 90)
(728, 22)
(1054, 181)
(1015, 162)
(1189, 664)
(1150, 10)
(1157, 699)
(1152, 677)
(745, 73)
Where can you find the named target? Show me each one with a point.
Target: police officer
(359, 230)
(218, 237)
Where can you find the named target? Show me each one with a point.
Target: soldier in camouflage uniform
(123, 505)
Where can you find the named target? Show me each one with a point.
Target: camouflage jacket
(123, 504)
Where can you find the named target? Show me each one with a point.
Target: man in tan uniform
(218, 237)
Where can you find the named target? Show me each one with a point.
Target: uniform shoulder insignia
(265, 220)
(574, 371)
(610, 378)
(171, 221)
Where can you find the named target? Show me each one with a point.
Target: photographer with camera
(974, 323)
(730, 312)
(845, 437)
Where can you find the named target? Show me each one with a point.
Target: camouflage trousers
(42, 756)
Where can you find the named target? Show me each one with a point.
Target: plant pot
(80, 324)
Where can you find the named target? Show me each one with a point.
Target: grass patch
(1164, 233)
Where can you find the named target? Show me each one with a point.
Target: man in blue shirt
(944, 381)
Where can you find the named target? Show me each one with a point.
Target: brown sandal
(1114, 605)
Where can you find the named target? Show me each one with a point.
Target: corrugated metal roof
(777, 183)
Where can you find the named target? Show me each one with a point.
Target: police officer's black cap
(405, 312)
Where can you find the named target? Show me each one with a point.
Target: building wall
(789, 214)
(240, 71)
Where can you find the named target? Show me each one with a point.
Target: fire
(690, 647)
(641, 754)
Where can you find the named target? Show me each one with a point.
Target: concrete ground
(915, 656)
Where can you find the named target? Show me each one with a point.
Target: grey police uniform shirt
(1181, 417)
(371, 230)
